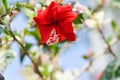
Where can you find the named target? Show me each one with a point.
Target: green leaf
(29, 13)
(115, 3)
(17, 34)
(2, 8)
(115, 27)
(24, 5)
(33, 32)
(28, 46)
(22, 57)
(45, 71)
(54, 48)
(79, 19)
(112, 72)
(85, 57)
(109, 39)
(5, 2)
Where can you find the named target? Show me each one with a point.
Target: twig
(99, 29)
(3, 15)
(99, 6)
(26, 52)
(109, 47)
(36, 66)
(83, 69)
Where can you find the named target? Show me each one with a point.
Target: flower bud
(78, 8)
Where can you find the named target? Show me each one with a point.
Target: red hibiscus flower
(55, 23)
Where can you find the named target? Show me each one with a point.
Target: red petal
(45, 32)
(62, 13)
(61, 36)
(43, 16)
(66, 29)
(68, 14)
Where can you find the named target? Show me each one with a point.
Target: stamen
(54, 37)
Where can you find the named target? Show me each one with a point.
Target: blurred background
(88, 49)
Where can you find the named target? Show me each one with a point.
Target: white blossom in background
(90, 23)
(99, 16)
(78, 8)
(66, 75)
(4, 61)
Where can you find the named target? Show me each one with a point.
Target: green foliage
(24, 5)
(22, 57)
(2, 8)
(45, 71)
(79, 19)
(22, 53)
(54, 48)
(33, 32)
(29, 13)
(5, 2)
(85, 57)
(28, 46)
(112, 72)
(109, 39)
(115, 3)
(115, 28)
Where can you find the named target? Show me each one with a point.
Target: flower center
(54, 37)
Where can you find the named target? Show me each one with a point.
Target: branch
(99, 6)
(26, 52)
(109, 47)
(3, 15)
(83, 69)
(99, 29)
(36, 65)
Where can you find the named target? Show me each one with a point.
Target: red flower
(55, 23)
